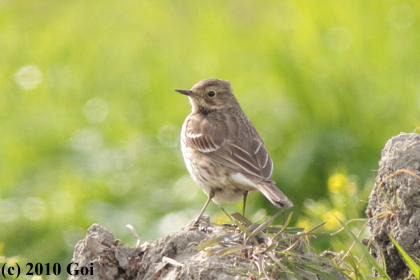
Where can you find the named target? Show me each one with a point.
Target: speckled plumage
(222, 150)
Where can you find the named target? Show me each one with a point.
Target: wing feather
(244, 152)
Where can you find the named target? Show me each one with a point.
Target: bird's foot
(198, 222)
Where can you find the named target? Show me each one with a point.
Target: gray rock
(174, 256)
(394, 204)
(177, 256)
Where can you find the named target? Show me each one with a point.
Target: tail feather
(274, 195)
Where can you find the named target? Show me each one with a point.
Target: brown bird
(222, 150)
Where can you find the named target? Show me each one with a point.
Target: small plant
(414, 267)
(285, 252)
(275, 251)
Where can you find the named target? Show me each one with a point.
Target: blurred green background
(90, 122)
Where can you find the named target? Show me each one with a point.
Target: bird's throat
(205, 111)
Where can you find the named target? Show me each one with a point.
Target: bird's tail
(274, 195)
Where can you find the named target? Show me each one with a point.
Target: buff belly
(228, 184)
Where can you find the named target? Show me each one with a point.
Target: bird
(222, 150)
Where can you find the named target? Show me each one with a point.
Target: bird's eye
(211, 93)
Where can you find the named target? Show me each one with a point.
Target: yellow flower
(331, 219)
(336, 182)
(304, 223)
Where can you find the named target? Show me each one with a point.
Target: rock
(394, 204)
(177, 256)
(174, 256)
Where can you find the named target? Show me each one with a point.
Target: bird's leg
(243, 209)
(197, 221)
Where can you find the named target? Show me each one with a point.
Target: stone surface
(174, 256)
(177, 256)
(394, 204)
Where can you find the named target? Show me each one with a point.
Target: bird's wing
(244, 152)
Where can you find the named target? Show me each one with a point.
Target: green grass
(275, 251)
(414, 267)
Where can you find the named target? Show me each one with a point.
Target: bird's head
(210, 94)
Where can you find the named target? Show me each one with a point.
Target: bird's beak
(184, 91)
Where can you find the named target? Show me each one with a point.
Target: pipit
(222, 149)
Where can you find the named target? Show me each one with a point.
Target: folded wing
(239, 152)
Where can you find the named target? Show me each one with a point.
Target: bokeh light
(96, 110)
(34, 208)
(29, 77)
